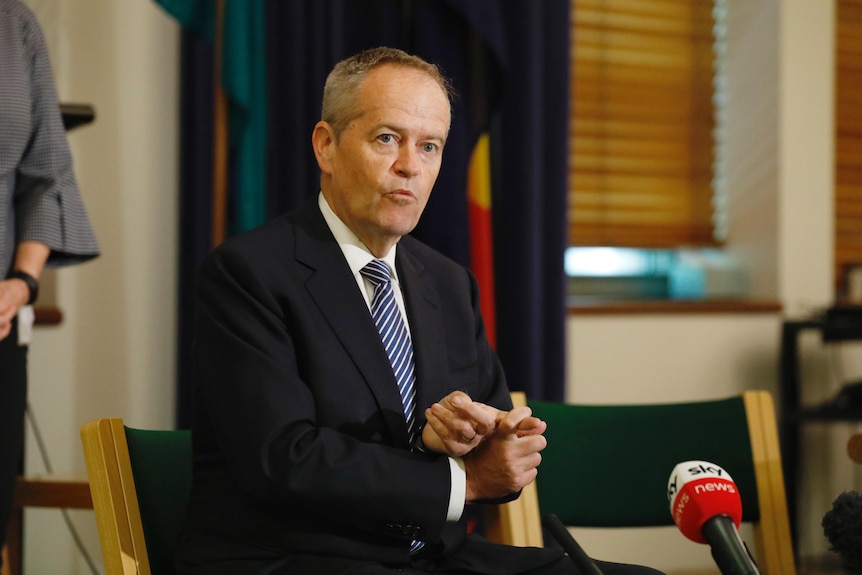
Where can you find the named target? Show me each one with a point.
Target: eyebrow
(401, 130)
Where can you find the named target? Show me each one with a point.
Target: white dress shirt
(358, 256)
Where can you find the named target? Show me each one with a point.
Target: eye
(386, 138)
(429, 148)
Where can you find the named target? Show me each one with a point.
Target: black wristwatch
(32, 284)
(418, 444)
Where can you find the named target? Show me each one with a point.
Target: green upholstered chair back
(608, 466)
(162, 467)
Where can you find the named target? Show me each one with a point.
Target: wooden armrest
(52, 492)
(44, 491)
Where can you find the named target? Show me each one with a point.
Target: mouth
(401, 194)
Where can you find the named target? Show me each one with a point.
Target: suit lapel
(426, 326)
(333, 288)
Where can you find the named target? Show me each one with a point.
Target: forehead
(410, 94)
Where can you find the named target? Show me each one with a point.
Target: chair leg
(12, 552)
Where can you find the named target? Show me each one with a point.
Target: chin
(400, 225)
(399, 231)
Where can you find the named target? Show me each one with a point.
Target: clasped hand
(500, 449)
(13, 294)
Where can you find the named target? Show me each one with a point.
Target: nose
(407, 163)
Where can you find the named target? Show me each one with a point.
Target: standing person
(42, 218)
(347, 402)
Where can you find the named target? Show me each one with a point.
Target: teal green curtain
(244, 81)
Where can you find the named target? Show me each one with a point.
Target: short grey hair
(342, 84)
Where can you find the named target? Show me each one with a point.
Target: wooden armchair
(608, 466)
(140, 482)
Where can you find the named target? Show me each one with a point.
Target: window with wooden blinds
(848, 138)
(641, 123)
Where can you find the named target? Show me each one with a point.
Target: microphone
(581, 560)
(706, 507)
(842, 526)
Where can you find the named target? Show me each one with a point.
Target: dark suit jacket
(300, 441)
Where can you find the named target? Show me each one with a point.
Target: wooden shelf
(48, 315)
(75, 115)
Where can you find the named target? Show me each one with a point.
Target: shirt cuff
(459, 489)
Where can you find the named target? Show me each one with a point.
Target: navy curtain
(305, 39)
(530, 206)
(509, 63)
(195, 201)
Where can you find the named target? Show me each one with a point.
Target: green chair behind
(140, 482)
(608, 466)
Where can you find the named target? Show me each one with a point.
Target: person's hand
(508, 458)
(13, 295)
(457, 424)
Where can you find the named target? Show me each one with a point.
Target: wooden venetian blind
(848, 137)
(641, 123)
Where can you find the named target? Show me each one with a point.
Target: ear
(323, 144)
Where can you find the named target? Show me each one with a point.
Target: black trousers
(216, 556)
(301, 566)
(563, 566)
(13, 403)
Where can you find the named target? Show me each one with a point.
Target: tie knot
(377, 272)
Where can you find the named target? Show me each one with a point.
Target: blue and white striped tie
(396, 340)
(393, 332)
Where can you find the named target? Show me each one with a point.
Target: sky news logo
(693, 470)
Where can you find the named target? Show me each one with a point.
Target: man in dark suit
(322, 447)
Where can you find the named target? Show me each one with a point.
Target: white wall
(114, 352)
(661, 358)
(806, 156)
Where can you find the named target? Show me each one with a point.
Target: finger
(449, 426)
(437, 426)
(461, 404)
(7, 312)
(457, 424)
(441, 439)
(486, 419)
(534, 444)
(445, 440)
(483, 418)
(531, 426)
(513, 419)
(456, 399)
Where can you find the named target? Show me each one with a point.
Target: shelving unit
(837, 324)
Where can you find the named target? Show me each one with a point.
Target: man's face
(378, 175)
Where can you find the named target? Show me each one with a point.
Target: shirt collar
(355, 252)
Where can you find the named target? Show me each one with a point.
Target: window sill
(594, 306)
